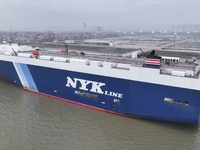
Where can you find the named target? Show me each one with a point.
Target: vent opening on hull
(170, 100)
(88, 95)
(100, 64)
(117, 101)
(87, 62)
(115, 66)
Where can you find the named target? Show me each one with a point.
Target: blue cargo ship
(153, 87)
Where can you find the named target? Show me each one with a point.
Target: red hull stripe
(80, 104)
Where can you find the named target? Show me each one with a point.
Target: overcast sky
(109, 14)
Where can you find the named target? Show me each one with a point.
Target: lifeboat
(35, 53)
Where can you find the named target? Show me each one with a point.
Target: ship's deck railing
(180, 67)
(95, 57)
(181, 70)
(123, 63)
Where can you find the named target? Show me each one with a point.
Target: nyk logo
(95, 86)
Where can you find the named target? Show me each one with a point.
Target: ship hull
(117, 95)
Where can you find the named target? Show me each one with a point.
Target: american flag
(151, 61)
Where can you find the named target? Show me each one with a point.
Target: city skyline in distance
(84, 27)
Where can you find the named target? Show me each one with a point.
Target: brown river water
(29, 121)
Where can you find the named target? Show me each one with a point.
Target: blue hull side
(131, 98)
(8, 71)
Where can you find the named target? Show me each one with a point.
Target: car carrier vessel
(151, 87)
